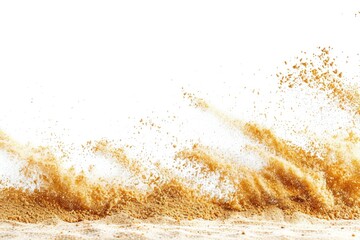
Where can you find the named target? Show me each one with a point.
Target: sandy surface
(298, 226)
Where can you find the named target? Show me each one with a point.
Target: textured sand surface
(298, 226)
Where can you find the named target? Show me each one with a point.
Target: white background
(89, 69)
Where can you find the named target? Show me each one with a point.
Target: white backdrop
(89, 69)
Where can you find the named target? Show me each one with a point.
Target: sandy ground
(298, 226)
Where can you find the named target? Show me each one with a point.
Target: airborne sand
(301, 191)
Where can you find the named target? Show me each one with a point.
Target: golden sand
(321, 72)
(325, 185)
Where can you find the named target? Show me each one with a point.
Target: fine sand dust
(301, 192)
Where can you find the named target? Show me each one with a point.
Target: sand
(309, 191)
(239, 226)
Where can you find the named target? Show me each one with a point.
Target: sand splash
(321, 180)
